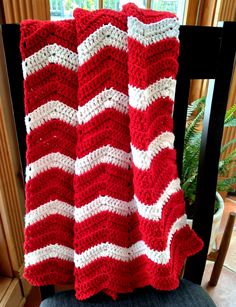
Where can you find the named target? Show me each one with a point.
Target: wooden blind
(227, 12)
(11, 206)
(17, 10)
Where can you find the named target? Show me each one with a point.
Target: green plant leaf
(230, 114)
(226, 183)
(227, 163)
(191, 128)
(189, 181)
(231, 123)
(194, 106)
(191, 157)
(191, 152)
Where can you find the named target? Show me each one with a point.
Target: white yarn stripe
(53, 109)
(154, 211)
(106, 35)
(55, 159)
(50, 208)
(148, 34)
(142, 99)
(142, 158)
(128, 254)
(106, 154)
(108, 98)
(50, 54)
(47, 252)
(107, 203)
(104, 203)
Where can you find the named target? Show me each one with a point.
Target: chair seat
(188, 294)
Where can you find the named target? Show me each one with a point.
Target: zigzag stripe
(106, 35)
(55, 159)
(141, 99)
(101, 204)
(106, 99)
(107, 203)
(152, 33)
(50, 54)
(142, 158)
(50, 208)
(47, 252)
(51, 110)
(106, 154)
(138, 249)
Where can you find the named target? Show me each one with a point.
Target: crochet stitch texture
(104, 205)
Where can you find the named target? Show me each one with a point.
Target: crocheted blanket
(104, 206)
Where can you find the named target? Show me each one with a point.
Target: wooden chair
(205, 53)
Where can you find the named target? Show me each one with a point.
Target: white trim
(107, 203)
(53, 109)
(104, 203)
(50, 208)
(141, 99)
(152, 33)
(142, 158)
(106, 35)
(106, 154)
(47, 252)
(50, 54)
(154, 211)
(55, 159)
(109, 98)
(128, 254)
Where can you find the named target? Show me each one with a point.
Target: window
(61, 9)
(174, 6)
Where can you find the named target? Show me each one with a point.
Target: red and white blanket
(105, 209)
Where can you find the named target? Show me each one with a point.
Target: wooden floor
(224, 294)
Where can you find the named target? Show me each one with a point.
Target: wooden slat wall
(12, 207)
(5, 264)
(17, 10)
(227, 12)
(10, 293)
(11, 188)
(192, 10)
(230, 133)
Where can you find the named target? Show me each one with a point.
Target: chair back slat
(179, 117)
(11, 41)
(199, 49)
(213, 125)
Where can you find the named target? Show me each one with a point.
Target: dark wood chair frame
(205, 53)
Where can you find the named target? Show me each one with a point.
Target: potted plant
(192, 143)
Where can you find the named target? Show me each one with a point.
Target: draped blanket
(104, 207)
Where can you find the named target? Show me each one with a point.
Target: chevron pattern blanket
(104, 206)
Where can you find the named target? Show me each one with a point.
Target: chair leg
(224, 245)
